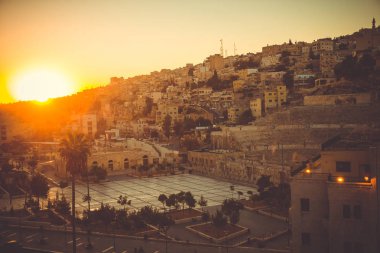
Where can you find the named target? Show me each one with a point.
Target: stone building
(333, 199)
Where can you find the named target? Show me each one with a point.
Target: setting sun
(40, 85)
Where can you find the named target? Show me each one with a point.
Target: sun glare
(40, 85)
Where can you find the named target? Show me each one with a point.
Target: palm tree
(74, 150)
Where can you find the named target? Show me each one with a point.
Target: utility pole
(221, 47)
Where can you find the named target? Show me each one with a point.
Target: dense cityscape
(273, 151)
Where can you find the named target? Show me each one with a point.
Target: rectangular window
(306, 239)
(342, 166)
(346, 211)
(305, 205)
(357, 212)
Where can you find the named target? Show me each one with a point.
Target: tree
(167, 125)
(39, 187)
(148, 106)
(62, 185)
(239, 194)
(6, 167)
(123, 200)
(219, 220)
(288, 79)
(171, 201)
(162, 198)
(98, 172)
(188, 124)
(178, 128)
(232, 189)
(245, 117)
(106, 214)
(181, 199)
(202, 202)
(231, 208)
(189, 142)
(33, 164)
(75, 151)
(263, 182)
(62, 206)
(190, 200)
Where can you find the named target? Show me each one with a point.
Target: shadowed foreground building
(335, 199)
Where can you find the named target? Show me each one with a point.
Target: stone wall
(358, 98)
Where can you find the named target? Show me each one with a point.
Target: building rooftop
(354, 141)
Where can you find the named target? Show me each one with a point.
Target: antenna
(221, 47)
(235, 49)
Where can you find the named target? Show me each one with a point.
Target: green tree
(171, 201)
(167, 125)
(188, 124)
(74, 150)
(39, 187)
(190, 200)
(178, 128)
(219, 220)
(181, 199)
(245, 117)
(162, 198)
(123, 200)
(33, 164)
(202, 202)
(189, 142)
(148, 106)
(288, 79)
(231, 208)
(98, 172)
(263, 182)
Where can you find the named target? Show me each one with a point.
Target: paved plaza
(145, 191)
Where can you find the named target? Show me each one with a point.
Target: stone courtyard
(145, 191)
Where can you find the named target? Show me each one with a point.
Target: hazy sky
(89, 41)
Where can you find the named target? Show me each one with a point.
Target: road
(61, 242)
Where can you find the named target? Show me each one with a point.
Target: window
(357, 212)
(145, 160)
(305, 205)
(306, 238)
(126, 163)
(343, 166)
(110, 164)
(346, 211)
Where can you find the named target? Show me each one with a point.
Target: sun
(40, 85)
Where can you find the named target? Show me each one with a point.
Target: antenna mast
(221, 47)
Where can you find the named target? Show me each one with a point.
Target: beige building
(238, 85)
(322, 45)
(270, 60)
(234, 113)
(164, 109)
(256, 107)
(333, 199)
(86, 124)
(275, 97)
(328, 60)
(215, 62)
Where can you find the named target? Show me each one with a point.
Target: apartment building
(256, 107)
(164, 109)
(334, 199)
(322, 45)
(275, 97)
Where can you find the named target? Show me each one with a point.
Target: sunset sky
(88, 41)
